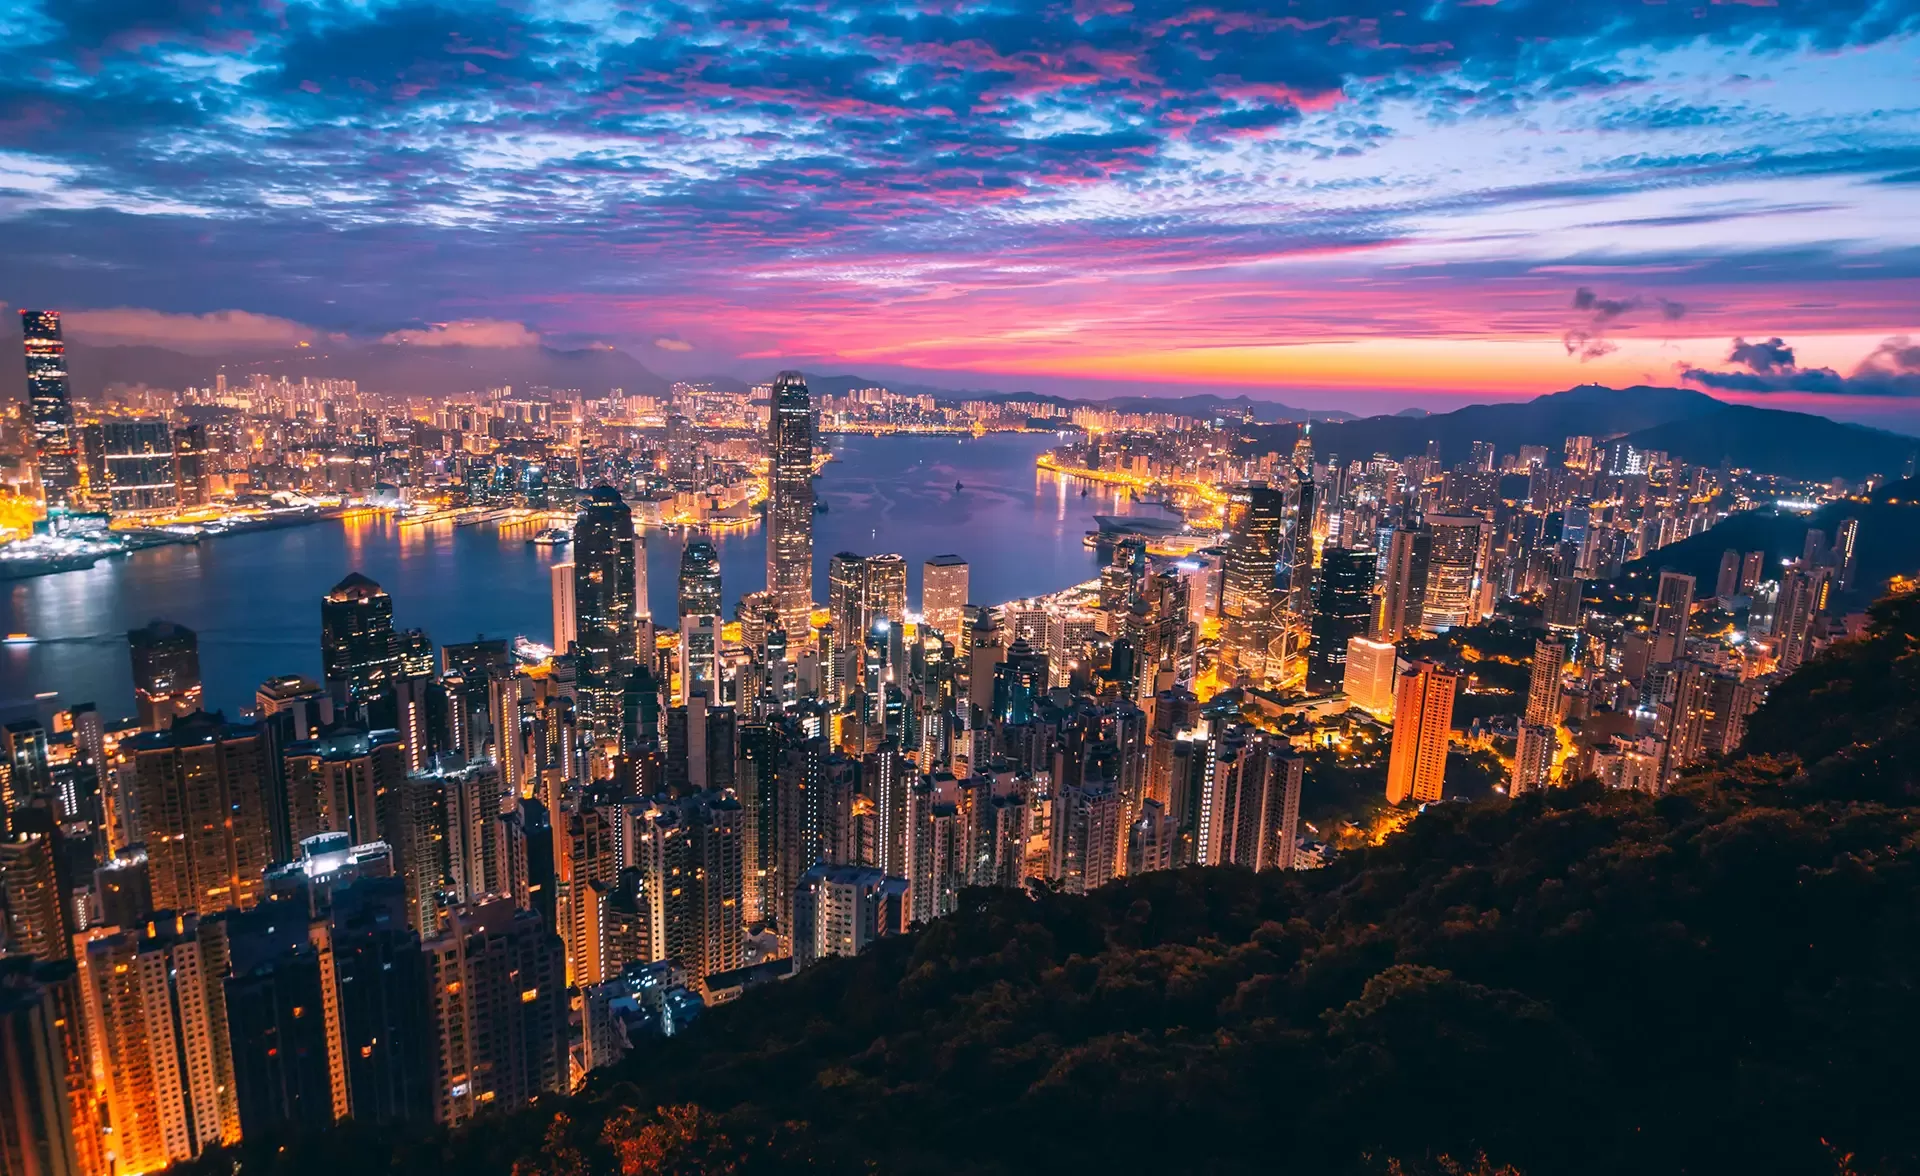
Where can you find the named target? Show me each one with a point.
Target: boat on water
(819, 506)
(552, 537)
(958, 486)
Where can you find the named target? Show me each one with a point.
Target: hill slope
(1718, 980)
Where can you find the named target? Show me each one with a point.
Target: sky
(1362, 203)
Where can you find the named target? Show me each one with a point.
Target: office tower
(157, 1022)
(386, 1029)
(358, 648)
(477, 660)
(605, 555)
(1422, 716)
(842, 909)
(166, 672)
(1369, 679)
(1456, 568)
(1802, 596)
(1019, 681)
(564, 625)
(345, 781)
(47, 1122)
(29, 764)
(198, 795)
(191, 477)
(1672, 606)
(699, 657)
(499, 1003)
(1752, 568)
(34, 916)
(48, 405)
(699, 580)
(1409, 554)
(886, 590)
(1726, 584)
(138, 457)
(1342, 610)
(1844, 557)
(943, 596)
(790, 506)
(1167, 657)
(282, 1021)
(1249, 592)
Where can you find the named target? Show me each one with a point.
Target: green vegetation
(1721, 979)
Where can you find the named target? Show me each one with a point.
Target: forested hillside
(1718, 980)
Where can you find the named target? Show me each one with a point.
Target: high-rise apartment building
(790, 506)
(138, 460)
(198, 794)
(498, 998)
(1404, 600)
(605, 555)
(55, 447)
(33, 908)
(1422, 717)
(842, 909)
(166, 672)
(1672, 609)
(48, 1120)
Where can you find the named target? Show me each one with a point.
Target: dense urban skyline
(1458, 201)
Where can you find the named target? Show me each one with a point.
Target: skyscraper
(1408, 554)
(499, 1000)
(198, 793)
(1248, 595)
(565, 626)
(51, 410)
(1343, 610)
(1422, 715)
(943, 596)
(1369, 677)
(1672, 606)
(604, 555)
(166, 672)
(790, 506)
(1455, 570)
(138, 455)
(699, 580)
(358, 647)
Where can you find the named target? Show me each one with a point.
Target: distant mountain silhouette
(1690, 425)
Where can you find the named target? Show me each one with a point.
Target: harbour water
(255, 599)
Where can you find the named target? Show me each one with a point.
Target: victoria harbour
(254, 598)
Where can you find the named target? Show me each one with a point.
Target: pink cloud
(469, 333)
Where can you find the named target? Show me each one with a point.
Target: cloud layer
(1065, 185)
(1891, 369)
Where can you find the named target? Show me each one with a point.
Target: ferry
(552, 537)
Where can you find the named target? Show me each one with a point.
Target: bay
(254, 599)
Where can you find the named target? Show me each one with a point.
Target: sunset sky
(1336, 202)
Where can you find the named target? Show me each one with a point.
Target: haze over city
(1345, 204)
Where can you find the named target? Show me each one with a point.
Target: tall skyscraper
(699, 580)
(49, 405)
(1672, 607)
(33, 910)
(790, 506)
(166, 672)
(1409, 553)
(1422, 716)
(1803, 593)
(1543, 683)
(358, 647)
(1455, 571)
(1249, 595)
(47, 1122)
(604, 556)
(1342, 610)
(943, 596)
(565, 627)
(198, 793)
